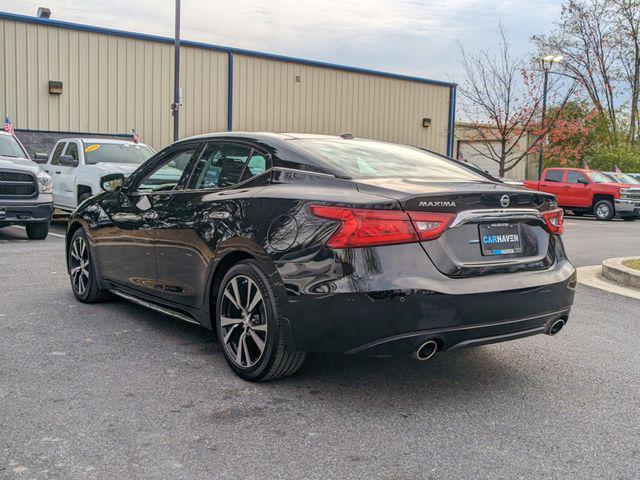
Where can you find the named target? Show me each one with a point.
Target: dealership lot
(115, 391)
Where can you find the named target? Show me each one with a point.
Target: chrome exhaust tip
(556, 326)
(427, 350)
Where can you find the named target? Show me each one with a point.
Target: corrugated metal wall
(113, 82)
(287, 97)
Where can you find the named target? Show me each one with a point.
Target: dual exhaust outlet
(429, 348)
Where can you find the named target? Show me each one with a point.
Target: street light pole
(547, 63)
(544, 113)
(176, 79)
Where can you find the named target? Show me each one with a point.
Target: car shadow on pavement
(472, 371)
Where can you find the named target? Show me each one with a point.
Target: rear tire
(603, 210)
(249, 326)
(82, 272)
(37, 231)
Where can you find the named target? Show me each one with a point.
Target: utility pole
(177, 101)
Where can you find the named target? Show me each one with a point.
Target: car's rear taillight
(554, 220)
(364, 228)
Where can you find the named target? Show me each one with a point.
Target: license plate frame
(500, 239)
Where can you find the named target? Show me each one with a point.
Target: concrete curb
(614, 270)
(592, 277)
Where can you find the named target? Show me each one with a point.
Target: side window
(55, 159)
(554, 175)
(72, 150)
(256, 166)
(167, 175)
(576, 177)
(221, 165)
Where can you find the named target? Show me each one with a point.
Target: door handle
(150, 215)
(58, 173)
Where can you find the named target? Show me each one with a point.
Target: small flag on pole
(136, 136)
(7, 125)
(586, 165)
(617, 169)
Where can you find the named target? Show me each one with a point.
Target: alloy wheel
(603, 210)
(243, 321)
(80, 265)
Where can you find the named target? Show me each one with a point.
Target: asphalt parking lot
(115, 391)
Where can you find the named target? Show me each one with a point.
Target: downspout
(230, 93)
(452, 121)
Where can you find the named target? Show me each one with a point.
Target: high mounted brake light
(554, 221)
(365, 228)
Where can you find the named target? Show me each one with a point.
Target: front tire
(249, 327)
(82, 273)
(37, 231)
(603, 210)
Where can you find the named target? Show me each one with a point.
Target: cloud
(415, 37)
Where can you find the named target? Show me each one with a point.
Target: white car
(77, 165)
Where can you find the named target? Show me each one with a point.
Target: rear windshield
(9, 147)
(361, 159)
(116, 153)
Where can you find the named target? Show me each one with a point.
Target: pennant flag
(617, 169)
(136, 136)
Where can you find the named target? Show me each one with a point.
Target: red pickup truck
(588, 191)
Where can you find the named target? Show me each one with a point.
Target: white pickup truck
(77, 165)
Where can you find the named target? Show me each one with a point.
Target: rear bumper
(420, 304)
(627, 208)
(22, 213)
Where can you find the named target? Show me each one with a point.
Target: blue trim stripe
(230, 93)
(207, 46)
(452, 121)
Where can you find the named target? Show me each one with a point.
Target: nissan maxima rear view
(284, 244)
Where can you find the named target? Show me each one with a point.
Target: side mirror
(112, 182)
(68, 161)
(41, 158)
(583, 181)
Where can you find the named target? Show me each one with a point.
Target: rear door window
(222, 165)
(554, 175)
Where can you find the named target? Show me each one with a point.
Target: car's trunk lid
(497, 228)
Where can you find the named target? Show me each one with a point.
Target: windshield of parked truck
(597, 177)
(9, 147)
(624, 178)
(116, 153)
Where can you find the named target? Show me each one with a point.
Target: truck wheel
(84, 196)
(603, 210)
(37, 231)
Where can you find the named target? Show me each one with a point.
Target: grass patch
(635, 263)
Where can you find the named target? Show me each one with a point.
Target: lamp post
(547, 62)
(175, 106)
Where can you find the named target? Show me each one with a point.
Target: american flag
(7, 125)
(617, 169)
(136, 136)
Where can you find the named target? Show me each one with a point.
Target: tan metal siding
(110, 83)
(268, 98)
(113, 83)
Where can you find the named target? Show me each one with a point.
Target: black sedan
(285, 244)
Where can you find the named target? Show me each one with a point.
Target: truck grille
(17, 185)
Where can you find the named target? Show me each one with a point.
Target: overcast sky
(414, 37)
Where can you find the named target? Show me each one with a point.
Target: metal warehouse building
(112, 81)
